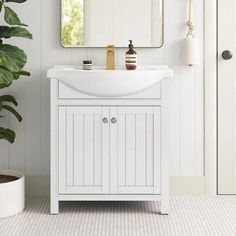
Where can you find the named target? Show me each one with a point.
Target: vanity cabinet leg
(165, 206)
(54, 207)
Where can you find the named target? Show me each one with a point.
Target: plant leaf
(7, 62)
(19, 73)
(8, 98)
(11, 17)
(1, 4)
(24, 72)
(16, 54)
(17, 1)
(13, 111)
(6, 78)
(16, 31)
(7, 134)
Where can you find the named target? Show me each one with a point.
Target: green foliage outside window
(72, 33)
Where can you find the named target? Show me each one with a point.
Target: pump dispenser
(131, 57)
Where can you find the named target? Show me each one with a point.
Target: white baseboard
(37, 185)
(40, 185)
(187, 185)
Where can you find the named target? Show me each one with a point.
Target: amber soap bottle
(131, 58)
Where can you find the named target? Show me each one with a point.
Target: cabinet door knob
(227, 55)
(105, 120)
(113, 120)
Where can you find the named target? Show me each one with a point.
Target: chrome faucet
(110, 57)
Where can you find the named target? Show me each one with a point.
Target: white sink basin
(105, 83)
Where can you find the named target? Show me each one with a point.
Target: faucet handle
(110, 46)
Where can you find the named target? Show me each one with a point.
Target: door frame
(211, 57)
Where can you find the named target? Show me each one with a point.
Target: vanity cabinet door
(83, 150)
(135, 150)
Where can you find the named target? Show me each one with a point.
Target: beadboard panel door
(130, 160)
(31, 151)
(83, 166)
(135, 150)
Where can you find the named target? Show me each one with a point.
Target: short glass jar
(87, 65)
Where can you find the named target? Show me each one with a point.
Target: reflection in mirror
(72, 22)
(97, 23)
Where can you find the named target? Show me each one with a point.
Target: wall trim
(187, 185)
(40, 185)
(211, 97)
(37, 185)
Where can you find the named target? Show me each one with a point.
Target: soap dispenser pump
(131, 57)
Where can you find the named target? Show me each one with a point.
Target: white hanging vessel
(190, 45)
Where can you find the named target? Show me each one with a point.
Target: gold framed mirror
(97, 23)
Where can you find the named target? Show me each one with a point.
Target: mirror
(98, 23)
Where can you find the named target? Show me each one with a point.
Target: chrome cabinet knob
(105, 120)
(113, 120)
(227, 55)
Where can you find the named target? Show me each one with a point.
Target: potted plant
(12, 62)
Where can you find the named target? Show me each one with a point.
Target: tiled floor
(190, 215)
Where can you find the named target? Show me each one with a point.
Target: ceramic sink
(104, 83)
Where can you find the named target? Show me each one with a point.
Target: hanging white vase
(190, 51)
(190, 46)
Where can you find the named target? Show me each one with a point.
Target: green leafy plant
(12, 61)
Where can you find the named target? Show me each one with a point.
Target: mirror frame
(162, 38)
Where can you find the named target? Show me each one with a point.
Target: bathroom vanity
(109, 135)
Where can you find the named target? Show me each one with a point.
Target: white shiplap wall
(30, 153)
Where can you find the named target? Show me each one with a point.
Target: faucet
(110, 57)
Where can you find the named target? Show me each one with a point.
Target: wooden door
(227, 97)
(135, 150)
(83, 150)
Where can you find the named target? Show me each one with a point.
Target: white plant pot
(12, 194)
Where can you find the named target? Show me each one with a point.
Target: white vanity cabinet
(109, 148)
